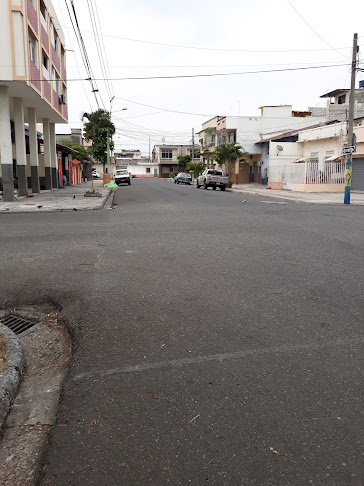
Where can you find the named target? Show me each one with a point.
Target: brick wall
(65, 111)
(32, 16)
(45, 39)
(47, 90)
(56, 102)
(35, 76)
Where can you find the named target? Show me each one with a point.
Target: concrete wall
(283, 111)
(251, 130)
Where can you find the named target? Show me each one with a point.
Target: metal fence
(331, 173)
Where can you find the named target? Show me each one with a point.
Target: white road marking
(274, 202)
(176, 363)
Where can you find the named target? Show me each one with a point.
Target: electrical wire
(84, 52)
(77, 65)
(313, 30)
(180, 46)
(210, 75)
(95, 32)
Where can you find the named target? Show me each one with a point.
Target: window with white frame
(45, 63)
(43, 14)
(54, 38)
(33, 48)
(56, 82)
(166, 154)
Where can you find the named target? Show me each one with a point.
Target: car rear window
(215, 172)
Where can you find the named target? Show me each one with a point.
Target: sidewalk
(356, 199)
(70, 198)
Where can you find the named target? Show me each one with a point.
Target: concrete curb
(10, 376)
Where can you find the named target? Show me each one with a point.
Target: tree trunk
(230, 173)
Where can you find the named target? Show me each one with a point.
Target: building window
(54, 38)
(148, 170)
(33, 48)
(64, 94)
(231, 137)
(43, 10)
(45, 62)
(341, 100)
(62, 56)
(196, 155)
(166, 154)
(55, 79)
(166, 170)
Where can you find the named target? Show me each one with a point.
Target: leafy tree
(227, 154)
(96, 130)
(195, 168)
(183, 161)
(82, 152)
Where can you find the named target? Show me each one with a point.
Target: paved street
(215, 341)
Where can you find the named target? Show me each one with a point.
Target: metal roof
(334, 93)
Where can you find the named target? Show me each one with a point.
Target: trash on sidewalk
(111, 184)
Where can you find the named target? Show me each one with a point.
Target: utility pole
(149, 148)
(193, 146)
(108, 152)
(351, 123)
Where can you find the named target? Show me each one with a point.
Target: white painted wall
(18, 36)
(283, 111)
(6, 72)
(251, 130)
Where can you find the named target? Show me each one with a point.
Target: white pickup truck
(212, 178)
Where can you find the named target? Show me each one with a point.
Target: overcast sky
(235, 36)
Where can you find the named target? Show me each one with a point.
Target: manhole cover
(17, 323)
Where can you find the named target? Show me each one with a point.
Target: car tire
(223, 188)
(129, 183)
(205, 186)
(197, 185)
(214, 188)
(175, 182)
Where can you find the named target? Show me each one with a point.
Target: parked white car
(95, 174)
(212, 178)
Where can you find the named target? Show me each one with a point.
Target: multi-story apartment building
(166, 156)
(33, 89)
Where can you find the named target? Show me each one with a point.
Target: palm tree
(226, 154)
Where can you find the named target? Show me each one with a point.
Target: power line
(82, 48)
(97, 42)
(313, 30)
(105, 52)
(180, 46)
(209, 75)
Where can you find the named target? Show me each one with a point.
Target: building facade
(33, 89)
(166, 157)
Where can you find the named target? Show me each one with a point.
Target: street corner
(11, 369)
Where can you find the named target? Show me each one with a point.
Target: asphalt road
(215, 341)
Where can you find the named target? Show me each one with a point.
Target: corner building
(33, 90)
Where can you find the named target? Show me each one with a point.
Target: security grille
(17, 323)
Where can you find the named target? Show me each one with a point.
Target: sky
(167, 38)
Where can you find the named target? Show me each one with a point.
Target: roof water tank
(361, 84)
